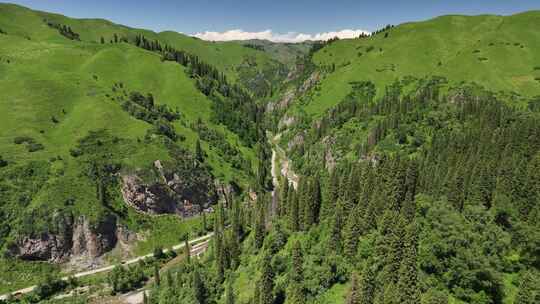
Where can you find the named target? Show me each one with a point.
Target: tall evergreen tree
(296, 292)
(229, 295)
(283, 196)
(526, 292)
(199, 154)
(337, 225)
(219, 243)
(433, 296)
(316, 197)
(332, 195)
(390, 245)
(187, 250)
(198, 286)
(266, 283)
(294, 213)
(156, 275)
(367, 285)
(236, 220)
(302, 195)
(260, 224)
(408, 273)
(352, 232)
(354, 293)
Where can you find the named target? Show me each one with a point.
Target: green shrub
(34, 146)
(158, 253)
(22, 139)
(75, 152)
(124, 279)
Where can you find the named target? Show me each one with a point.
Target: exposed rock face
(46, 247)
(153, 199)
(90, 242)
(286, 122)
(310, 82)
(287, 99)
(79, 240)
(172, 195)
(298, 140)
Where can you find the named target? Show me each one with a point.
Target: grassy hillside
(286, 53)
(59, 95)
(500, 53)
(226, 56)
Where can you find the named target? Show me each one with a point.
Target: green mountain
(498, 52)
(400, 167)
(85, 118)
(287, 53)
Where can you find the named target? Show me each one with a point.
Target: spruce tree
(353, 296)
(233, 250)
(236, 221)
(526, 292)
(198, 287)
(370, 216)
(266, 283)
(337, 226)
(408, 272)
(156, 275)
(390, 245)
(352, 232)
(199, 154)
(294, 214)
(296, 292)
(316, 200)
(260, 229)
(367, 285)
(283, 196)
(433, 296)
(332, 195)
(532, 188)
(229, 295)
(204, 224)
(219, 246)
(302, 196)
(187, 250)
(297, 266)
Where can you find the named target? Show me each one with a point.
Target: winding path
(108, 268)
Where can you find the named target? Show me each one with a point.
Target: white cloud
(277, 37)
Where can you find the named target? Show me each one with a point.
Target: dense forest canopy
(338, 171)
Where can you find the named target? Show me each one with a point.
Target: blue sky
(279, 16)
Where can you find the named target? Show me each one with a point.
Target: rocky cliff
(80, 240)
(172, 193)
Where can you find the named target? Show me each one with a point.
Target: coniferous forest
(143, 167)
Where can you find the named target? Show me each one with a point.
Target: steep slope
(96, 136)
(413, 147)
(21, 21)
(498, 52)
(286, 53)
(418, 181)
